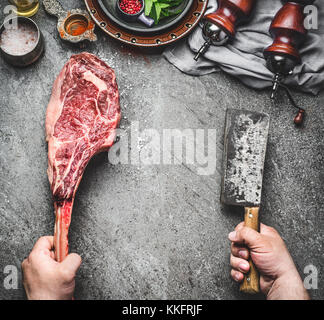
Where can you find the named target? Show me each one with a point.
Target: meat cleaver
(245, 143)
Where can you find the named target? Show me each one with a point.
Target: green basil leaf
(164, 5)
(165, 13)
(153, 14)
(176, 3)
(158, 11)
(148, 7)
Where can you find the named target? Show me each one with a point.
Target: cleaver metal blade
(245, 144)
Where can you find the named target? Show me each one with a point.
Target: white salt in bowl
(21, 46)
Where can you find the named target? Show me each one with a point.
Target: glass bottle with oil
(25, 8)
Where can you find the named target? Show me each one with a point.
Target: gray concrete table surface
(159, 231)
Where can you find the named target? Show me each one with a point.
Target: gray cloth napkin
(243, 57)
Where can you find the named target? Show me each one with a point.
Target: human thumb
(246, 236)
(71, 264)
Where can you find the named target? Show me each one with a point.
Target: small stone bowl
(140, 16)
(30, 57)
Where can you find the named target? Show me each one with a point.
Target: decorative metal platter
(109, 8)
(180, 30)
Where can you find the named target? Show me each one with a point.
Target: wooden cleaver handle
(251, 280)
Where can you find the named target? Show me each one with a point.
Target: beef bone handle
(63, 211)
(251, 280)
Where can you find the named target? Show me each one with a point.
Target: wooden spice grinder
(220, 26)
(288, 31)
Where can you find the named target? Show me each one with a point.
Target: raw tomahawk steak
(81, 119)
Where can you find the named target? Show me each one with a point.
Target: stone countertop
(153, 231)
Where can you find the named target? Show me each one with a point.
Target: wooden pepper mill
(288, 31)
(220, 25)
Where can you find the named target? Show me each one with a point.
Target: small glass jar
(25, 8)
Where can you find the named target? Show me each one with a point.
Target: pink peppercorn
(130, 6)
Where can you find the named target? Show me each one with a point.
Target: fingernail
(237, 277)
(244, 266)
(243, 254)
(232, 236)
